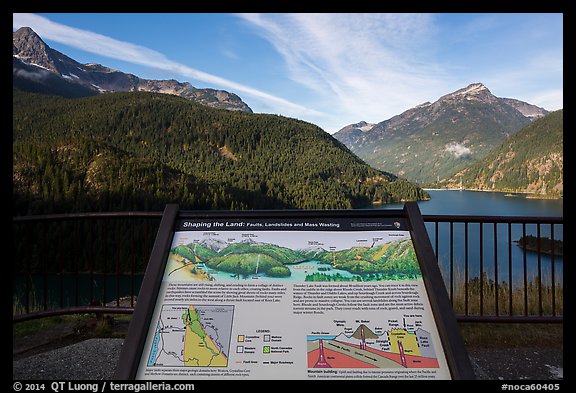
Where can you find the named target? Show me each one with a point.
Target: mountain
(140, 150)
(530, 161)
(433, 140)
(532, 112)
(394, 260)
(349, 134)
(39, 68)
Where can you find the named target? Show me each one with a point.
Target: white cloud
(549, 99)
(369, 65)
(374, 66)
(136, 54)
(458, 149)
(38, 76)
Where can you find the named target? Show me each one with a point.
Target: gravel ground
(93, 359)
(96, 359)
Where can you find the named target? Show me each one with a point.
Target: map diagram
(401, 346)
(192, 336)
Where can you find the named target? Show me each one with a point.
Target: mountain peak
(435, 140)
(29, 49)
(363, 126)
(473, 88)
(26, 40)
(474, 92)
(26, 31)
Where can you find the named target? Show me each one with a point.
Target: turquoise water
(298, 271)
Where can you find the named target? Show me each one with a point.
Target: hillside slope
(142, 150)
(433, 140)
(530, 161)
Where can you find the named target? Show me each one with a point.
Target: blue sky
(328, 69)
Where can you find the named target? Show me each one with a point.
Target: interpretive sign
(293, 295)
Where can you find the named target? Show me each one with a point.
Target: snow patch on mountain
(366, 127)
(472, 89)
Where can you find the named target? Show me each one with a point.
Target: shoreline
(535, 249)
(511, 194)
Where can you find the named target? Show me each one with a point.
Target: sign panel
(340, 296)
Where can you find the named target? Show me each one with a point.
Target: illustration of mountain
(214, 244)
(313, 252)
(39, 68)
(530, 161)
(432, 141)
(364, 332)
(394, 260)
(391, 260)
(195, 252)
(281, 254)
(243, 258)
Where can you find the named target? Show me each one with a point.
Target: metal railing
(94, 263)
(491, 275)
(80, 263)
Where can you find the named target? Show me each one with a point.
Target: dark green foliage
(281, 254)
(529, 161)
(321, 277)
(398, 259)
(192, 251)
(249, 263)
(545, 244)
(134, 151)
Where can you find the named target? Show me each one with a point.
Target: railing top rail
(158, 214)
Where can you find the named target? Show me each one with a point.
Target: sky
(328, 69)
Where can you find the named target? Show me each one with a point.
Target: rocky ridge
(34, 60)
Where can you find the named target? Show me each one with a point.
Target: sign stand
(459, 362)
(289, 294)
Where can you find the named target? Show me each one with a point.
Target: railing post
(452, 263)
(496, 309)
(525, 270)
(539, 270)
(510, 277)
(481, 269)
(466, 268)
(552, 269)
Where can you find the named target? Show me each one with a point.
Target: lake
(481, 203)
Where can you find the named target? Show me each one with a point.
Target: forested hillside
(128, 151)
(530, 161)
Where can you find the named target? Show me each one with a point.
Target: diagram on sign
(192, 336)
(301, 256)
(401, 344)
